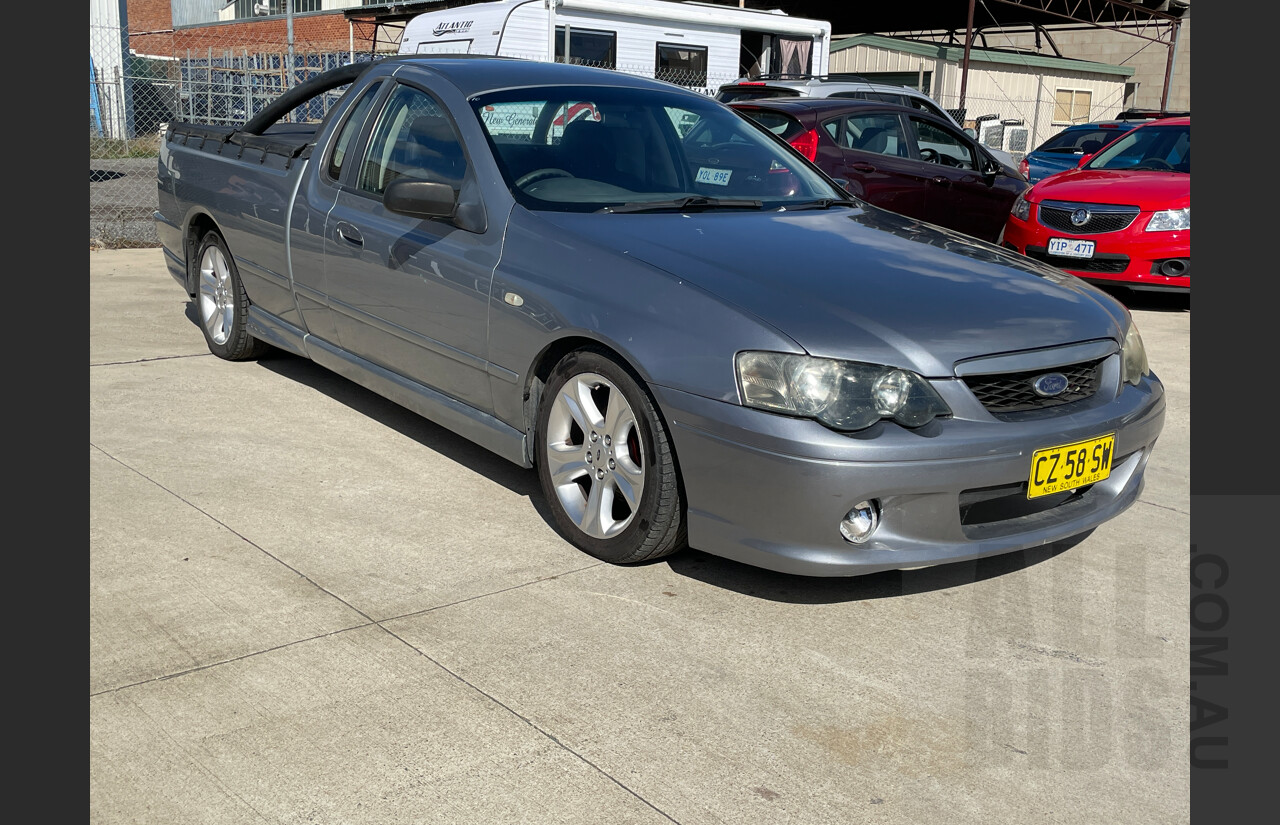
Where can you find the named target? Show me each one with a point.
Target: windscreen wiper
(821, 203)
(694, 202)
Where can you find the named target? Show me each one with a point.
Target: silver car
(694, 336)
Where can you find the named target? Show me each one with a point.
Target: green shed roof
(955, 54)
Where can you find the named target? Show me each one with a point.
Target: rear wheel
(606, 464)
(222, 304)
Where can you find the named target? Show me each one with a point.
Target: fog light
(861, 521)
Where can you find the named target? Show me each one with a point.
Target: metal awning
(964, 22)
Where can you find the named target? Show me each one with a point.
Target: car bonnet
(1146, 189)
(864, 284)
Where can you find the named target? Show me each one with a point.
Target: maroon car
(898, 158)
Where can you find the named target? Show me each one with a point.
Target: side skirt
(463, 419)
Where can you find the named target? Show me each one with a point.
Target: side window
(881, 134)
(684, 122)
(835, 130)
(350, 129)
(943, 146)
(413, 138)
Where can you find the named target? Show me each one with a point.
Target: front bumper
(1129, 258)
(770, 491)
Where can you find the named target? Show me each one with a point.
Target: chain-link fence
(140, 82)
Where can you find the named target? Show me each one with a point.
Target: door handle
(941, 181)
(863, 167)
(349, 233)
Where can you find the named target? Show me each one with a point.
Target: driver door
(411, 294)
(874, 156)
(959, 194)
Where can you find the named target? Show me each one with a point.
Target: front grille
(1005, 510)
(1102, 218)
(985, 505)
(1012, 391)
(1098, 263)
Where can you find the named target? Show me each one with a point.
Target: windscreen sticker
(718, 177)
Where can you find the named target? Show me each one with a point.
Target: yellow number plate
(1055, 469)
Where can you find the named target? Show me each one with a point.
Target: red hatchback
(898, 158)
(1123, 217)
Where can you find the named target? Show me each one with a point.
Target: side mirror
(1083, 160)
(843, 183)
(420, 198)
(969, 130)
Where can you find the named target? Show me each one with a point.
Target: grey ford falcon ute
(695, 336)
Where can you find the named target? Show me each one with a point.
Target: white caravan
(698, 45)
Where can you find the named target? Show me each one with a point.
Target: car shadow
(691, 563)
(792, 589)
(523, 482)
(1142, 299)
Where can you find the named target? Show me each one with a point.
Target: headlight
(1021, 209)
(843, 395)
(1170, 220)
(1135, 355)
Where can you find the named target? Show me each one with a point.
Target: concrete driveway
(310, 606)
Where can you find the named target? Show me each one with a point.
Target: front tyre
(606, 464)
(222, 304)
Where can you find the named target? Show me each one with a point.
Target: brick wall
(150, 16)
(151, 32)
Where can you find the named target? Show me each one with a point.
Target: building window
(1071, 106)
(588, 47)
(264, 8)
(681, 64)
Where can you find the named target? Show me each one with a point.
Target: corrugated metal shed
(1022, 92)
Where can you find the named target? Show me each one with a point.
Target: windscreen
(597, 148)
(1074, 141)
(1158, 148)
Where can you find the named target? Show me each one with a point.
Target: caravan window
(682, 65)
(588, 47)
